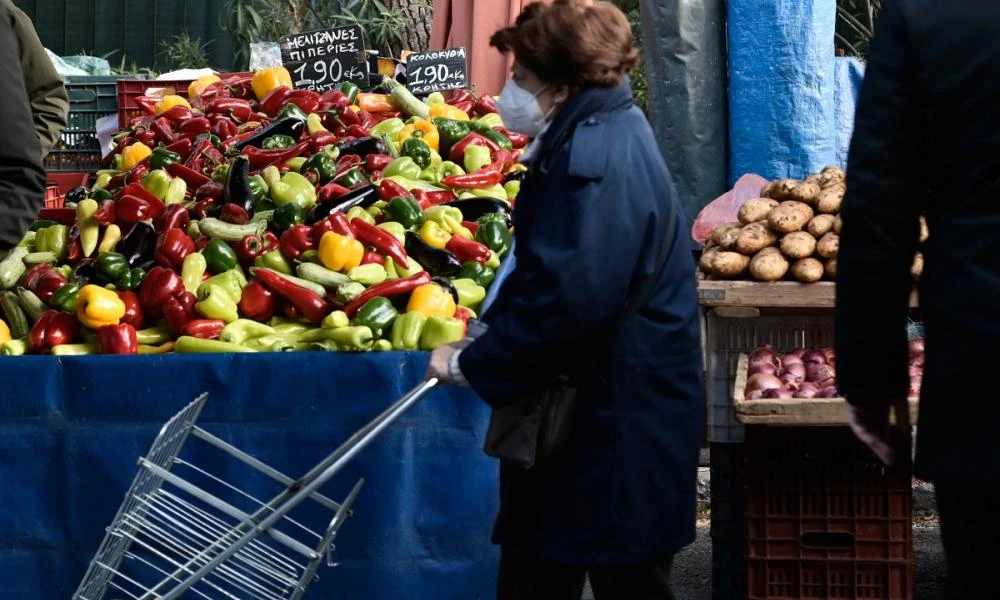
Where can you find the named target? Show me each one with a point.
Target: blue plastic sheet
(781, 87)
(848, 75)
(71, 430)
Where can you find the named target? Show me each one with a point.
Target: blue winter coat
(589, 222)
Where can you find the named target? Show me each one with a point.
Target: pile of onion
(810, 373)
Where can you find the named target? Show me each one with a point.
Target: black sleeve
(880, 214)
(22, 179)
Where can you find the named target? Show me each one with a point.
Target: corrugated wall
(133, 27)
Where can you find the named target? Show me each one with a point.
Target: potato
(729, 264)
(768, 265)
(782, 189)
(828, 245)
(729, 238)
(837, 224)
(705, 261)
(807, 270)
(924, 232)
(721, 230)
(830, 270)
(756, 209)
(829, 200)
(754, 238)
(815, 178)
(831, 176)
(918, 266)
(806, 192)
(789, 216)
(820, 225)
(767, 190)
(798, 244)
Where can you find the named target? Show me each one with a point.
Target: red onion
(791, 381)
(917, 361)
(829, 354)
(814, 357)
(797, 369)
(767, 368)
(916, 346)
(778, 393)
(830, 392)
(764, 352)
(755, 395)
(791, 359)
(914, 391)
(763, 381)
(819, 372)
(797, 352)
(806, 390)
(915, 372)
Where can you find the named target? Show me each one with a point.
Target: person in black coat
(593, 214)
(22, 179)
(926, 139)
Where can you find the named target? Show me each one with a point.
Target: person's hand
(872, 426)
(441, 358)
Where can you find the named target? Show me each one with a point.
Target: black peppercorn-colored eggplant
(474, 208)
(363, 196)
(138, 244)
(436, 260)
(238, 189)
(290, 126)
(362, 147)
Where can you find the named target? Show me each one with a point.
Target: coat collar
(585, 105)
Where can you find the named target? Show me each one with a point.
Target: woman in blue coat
(619, 500)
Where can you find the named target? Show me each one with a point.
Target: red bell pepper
(194, 127)
(311, 306)
(75, 250)
(334, 99)
(175, 217)
(133, 311)
(182, 147)
(204, 208)
(465, 107)
(472, 226)
(193, 178)
(234, 213)
(136, 189)
(179, 310)
(163, 130)
(204, 154)
(44, 281)
(262, 158)
(206, 329)
(428, 199)
(210, 189)
(377, 162)
(105, 214)
(388, 189)
(147, 104)
(348, 117)
(381, 240)
(172, 247)
(249, 248)
(358, 130)
(237, 109)
(517, 140)
(108, 159)
(330, 192)
(485, 177)
(460, 96)
(229, 144)
(468, 250)
(321, 139)
(371, 258)
(307, 100)
(132, 209)
(177, 114)
(367, 121)
(505, 159)
(272, 104)
(139, 171)
(290, 312)
(485, 105)
(389, 289)
(347, 162)
(338, 225)
(270, 240)
(296, 241)
(159, 285)
(224, 128)
(117, 339)
(258, 302)
(457, 152)
(52, 328)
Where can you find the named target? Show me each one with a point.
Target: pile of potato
(791, 231)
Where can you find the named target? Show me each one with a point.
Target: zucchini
(17, 321)
(32, 304)
(228, 232)
(321, 275)
(309, 285)
(409, 103)
(40, 258)
(12, 267)
(14, 348)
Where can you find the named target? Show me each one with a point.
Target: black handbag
(540, 425)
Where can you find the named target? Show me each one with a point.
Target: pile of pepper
(257, 217)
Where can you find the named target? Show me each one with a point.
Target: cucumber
(32, 304)
(309, 285)
(17, 321)
(40, 258)
(228, 232)
(409, 103)
(12, 267)
(321, 275)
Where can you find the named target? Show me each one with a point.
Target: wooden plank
(793, 412)
(777, 294)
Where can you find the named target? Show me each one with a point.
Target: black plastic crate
(729, 574)
(90, 98)
(729, 571)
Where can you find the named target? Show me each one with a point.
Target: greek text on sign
(437, 71)
(320, 60)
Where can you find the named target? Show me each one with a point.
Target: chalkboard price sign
(437, 71)
(321, 60)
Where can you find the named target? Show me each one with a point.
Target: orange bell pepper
(376, 103)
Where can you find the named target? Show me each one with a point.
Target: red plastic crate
(60, 183)
(53, 199)
(130, 89)
(819, 580)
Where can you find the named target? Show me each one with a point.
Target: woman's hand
(441, 360)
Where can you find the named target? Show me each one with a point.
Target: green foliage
(185, 52)
(856, 25)
(639, 82)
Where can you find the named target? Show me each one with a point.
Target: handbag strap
(640, 292)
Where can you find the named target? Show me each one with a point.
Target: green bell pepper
(470, 293)
(478, 273)
(258, 187)
(110, 267)
(278, 142)
(350, 90)
(275, 261)
(439, 212)
(370, 274)
(65, 298)
(161, 157)
(494, 191)
(389, 127)
(156, 182)
(396, 229)
(418, 150)
(405, 211)
(407, 329)
(102, 195)
(451, 132)
(289, 215)
(512, 188)
(489, 120)
(495, 235)
(221, 173)
(175, 192)
(404, 166)
(294, 189)
(131, 281)
(217, 304)
(439, 331)
(377, 314)
(232, 282)
(322, 164)
(54, 239)
(219, 256)
(291, 110)
(476, 157)
(352, 178)
(64, 270)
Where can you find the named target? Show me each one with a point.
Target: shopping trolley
(184, 529)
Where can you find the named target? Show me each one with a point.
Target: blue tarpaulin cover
(849, 73)
(72, 428)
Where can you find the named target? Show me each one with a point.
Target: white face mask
(519, 109)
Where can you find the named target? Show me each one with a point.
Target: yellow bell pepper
(428, 133)
(267, 80)
(97, 307)
(340, 253)
(134, 154)
(171, 101)
(432, 300)
(198, 86)
(434, 234)
(4, 332)
(449, 112)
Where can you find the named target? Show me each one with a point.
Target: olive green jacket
(46, 92)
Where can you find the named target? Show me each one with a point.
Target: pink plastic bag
(724, 209)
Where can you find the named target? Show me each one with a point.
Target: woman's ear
(560, 95)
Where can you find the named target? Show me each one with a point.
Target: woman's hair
(578, 43)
